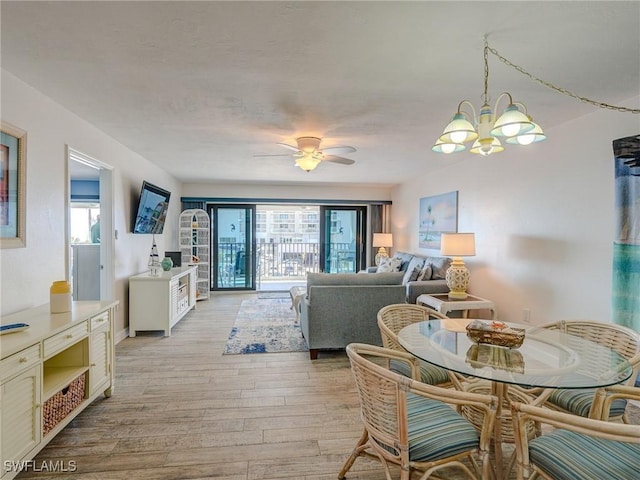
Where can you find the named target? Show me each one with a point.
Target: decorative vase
(60, 297)
(167, 264)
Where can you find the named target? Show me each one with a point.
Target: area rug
(265, 325)
(274, 295)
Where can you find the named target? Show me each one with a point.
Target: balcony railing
(281, 261)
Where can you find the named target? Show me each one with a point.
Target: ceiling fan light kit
(308, 155)
(308, 162)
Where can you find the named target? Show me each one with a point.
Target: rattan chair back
(393, 318)
(618, 338)
(385, 413)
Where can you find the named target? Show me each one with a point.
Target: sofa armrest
(417, 288)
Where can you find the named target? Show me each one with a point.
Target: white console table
(159, 302)
(42, 361)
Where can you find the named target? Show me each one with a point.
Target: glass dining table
(547, 359)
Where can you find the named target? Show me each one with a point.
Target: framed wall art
(13, 170)
(438, 215)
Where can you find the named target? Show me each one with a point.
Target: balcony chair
(576, 448)
(410, 424)
(392, 319)
(616, 337)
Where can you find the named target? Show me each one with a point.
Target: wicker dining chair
(618, 338)
(411, 424)
(392, 319)
(576, 448)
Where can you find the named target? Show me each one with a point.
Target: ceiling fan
(308, 155)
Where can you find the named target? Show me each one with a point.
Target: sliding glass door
(341, 239)
(234, 246)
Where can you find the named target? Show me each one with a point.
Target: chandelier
(514, 125)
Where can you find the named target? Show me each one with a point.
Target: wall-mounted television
(152, 209)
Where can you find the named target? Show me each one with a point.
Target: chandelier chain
(485, 96)
(550, 85)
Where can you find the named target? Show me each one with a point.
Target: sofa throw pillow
(389, 264)
(425, 273)
(414, 274)
(439, 267)
(410, 274)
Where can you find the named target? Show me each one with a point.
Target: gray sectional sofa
(342, 308)
(412, 265)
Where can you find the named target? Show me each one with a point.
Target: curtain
(626, 245)
(190, 205)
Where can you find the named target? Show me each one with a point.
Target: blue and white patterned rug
(265, 325)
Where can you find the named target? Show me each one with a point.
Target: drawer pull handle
(22, 360)
(93, 364)
(69, 335)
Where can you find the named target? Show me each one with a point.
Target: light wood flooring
(182, 410)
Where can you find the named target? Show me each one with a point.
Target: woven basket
(57, 407)
(480, 332)
(506, 427)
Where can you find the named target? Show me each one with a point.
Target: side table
(297, 294)
(443, 304)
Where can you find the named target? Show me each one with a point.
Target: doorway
(233, 247)
(272, 247)
(342, 231)
(89, 227)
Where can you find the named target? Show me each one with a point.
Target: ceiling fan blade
(290, 147)
(340, 150)
(274, 155)
(336, 159)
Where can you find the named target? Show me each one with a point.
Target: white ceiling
(200, 88)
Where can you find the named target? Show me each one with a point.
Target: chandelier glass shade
(534, 135)
(449, 147)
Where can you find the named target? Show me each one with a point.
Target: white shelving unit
(195, 247)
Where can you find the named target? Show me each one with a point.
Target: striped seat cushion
(565, 455)
(437, 431)
(430, 373)
(579, 402)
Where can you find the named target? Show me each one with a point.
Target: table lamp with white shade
(458, 245)
(382, 240)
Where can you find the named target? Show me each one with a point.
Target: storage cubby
(59, 370)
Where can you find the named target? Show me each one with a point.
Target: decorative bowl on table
(495, 333)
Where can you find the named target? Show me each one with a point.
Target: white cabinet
(39, 364)
(195, 246)
(159, 302)
(102, 354)
(21, 415)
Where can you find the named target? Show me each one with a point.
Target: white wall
(543, 217)
(27, 273)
